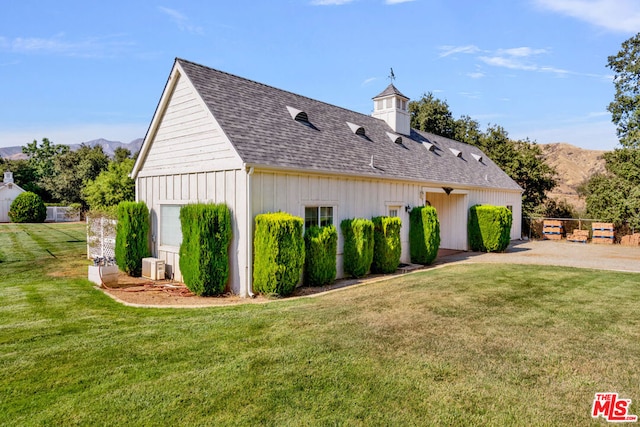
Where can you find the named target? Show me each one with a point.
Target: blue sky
(74, 71)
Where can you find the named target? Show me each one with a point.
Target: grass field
(461, 345)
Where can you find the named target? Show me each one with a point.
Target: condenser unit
(153, 268)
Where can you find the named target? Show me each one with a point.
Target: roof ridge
(276, 88)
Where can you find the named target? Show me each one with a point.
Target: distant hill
(109, 147)
(574, 165)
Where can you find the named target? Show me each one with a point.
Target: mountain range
(109, 147)
(573, 166)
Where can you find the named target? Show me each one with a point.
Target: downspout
(249, 272)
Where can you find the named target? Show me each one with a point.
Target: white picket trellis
(101, 237)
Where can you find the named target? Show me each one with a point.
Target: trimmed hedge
(27, 207)
(424, 234)
(320, 247)
(278, 253)
(204, 251)
(386, 248)
(358, 246)
(489, 228)
(132, 237)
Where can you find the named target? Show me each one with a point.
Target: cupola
(393, 107)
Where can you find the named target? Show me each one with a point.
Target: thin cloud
(182, 21)
(521, 52)
(615, 15)
(396, 1)
(516, 58)
(454, 50)
(369, 80)
(94, 47)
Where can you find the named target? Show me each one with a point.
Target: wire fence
(623, 233)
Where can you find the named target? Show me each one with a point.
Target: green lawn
(461, 345)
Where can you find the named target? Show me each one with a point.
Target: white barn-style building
(9, 190)
(216, 137)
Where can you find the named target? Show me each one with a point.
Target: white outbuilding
(216, 137)
(9, 190)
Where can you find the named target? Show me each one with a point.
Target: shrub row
(204, 251)
(424, 235)
(386, 247)
(358, 246)
(278, 253)
(489, 228)
(132, 241)
(321, 247)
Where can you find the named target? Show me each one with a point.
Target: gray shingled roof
(255, 118)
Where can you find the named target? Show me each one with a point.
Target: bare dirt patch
(141, 292)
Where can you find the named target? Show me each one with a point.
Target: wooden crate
(602, 233)
(580, 236)
(631, 240)
(552, 230)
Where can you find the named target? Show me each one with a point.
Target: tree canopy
(625, 107)
(614, 196)
(520, 159)
(112, 186)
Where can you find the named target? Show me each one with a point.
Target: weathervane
(392, 76)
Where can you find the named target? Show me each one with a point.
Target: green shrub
(387, 247)
(132, 231)
(278, 253)
(320, 247)
(204, 251)
(358, 246)
(27, 207)
(424, 234)
(489, 228)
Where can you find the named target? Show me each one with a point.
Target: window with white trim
(318, 215)
(170, 230)
(394, 211)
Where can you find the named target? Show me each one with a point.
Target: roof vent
(298, 115)
(478, 157)
(358, 130)
(455, 152)
(429, 146)
(395, 138)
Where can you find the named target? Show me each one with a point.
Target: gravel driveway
(560, 253)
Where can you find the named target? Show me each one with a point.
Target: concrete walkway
(560, 253)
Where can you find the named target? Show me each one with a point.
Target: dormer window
(477, 157)
(357, 129)
(300, 116)
(455, 152)
(395, 138)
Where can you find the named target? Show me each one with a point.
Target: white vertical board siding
(188, 137)
(365, 198)
(501, 198)
(452, 213)
(217, 187)
(350, 198)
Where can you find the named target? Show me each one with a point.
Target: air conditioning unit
(153, 268)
